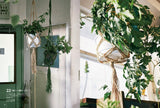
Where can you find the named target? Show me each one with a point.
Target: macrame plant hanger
(33, 16)
(49, 82)
(108, 57)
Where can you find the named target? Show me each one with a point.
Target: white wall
(65, 79)
(18, 8)
(60, 10)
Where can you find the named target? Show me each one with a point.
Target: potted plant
(52, 49)
(127, 25)
(32, 30)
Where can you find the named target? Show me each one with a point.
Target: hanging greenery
(36, 25)
(52, 50)
(127, 25)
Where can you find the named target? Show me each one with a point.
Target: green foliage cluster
(132, 106)
(54, 48)
(83, 104)
(113, 104)
(50, 54)
(36, 25)
(108, 92)
(109, 104)
(82, 23)
(127, 25)
(86, 67)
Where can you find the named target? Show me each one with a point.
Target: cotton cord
(33, 13)
(35, 86)
(115, 94)
(115, 87)
(33, 61)
(36, 45)
(49, 82)
(33, 55)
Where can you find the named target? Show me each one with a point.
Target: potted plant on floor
(127, 25)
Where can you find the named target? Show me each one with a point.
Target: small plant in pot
(52, 49)
(32, 30)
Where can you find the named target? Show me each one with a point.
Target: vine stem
(50, 20)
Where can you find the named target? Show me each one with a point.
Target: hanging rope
(34, 40)
(35, 83)
(33, 12)
(34, 43)
(50, 22)
(49, 82)
(33, 61)
(115, 88)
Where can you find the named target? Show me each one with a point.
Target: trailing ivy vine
(127, 25)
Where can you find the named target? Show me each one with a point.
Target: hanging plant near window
(127, 25)
(52, 50)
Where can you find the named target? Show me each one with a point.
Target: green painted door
(10, 92)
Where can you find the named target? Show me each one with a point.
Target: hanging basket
(33, 41)
(107, 52)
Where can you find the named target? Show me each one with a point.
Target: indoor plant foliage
(52, 49)
(127, 25)
(33, 29)
(36, 25)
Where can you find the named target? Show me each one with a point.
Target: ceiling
(153, 4)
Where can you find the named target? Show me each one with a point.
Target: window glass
(7, 58)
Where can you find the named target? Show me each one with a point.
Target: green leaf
(132, 3)
(93, 27)
(158, 82)
(104, 87)
(62, 38)
(86, 67)
(14, 20)
(107, 95)
(157, 93)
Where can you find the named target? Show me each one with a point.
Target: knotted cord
(107, 57)
(49, 82)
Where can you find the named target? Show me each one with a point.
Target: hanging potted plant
(52, 49)
(127, 25)
(32, 30)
